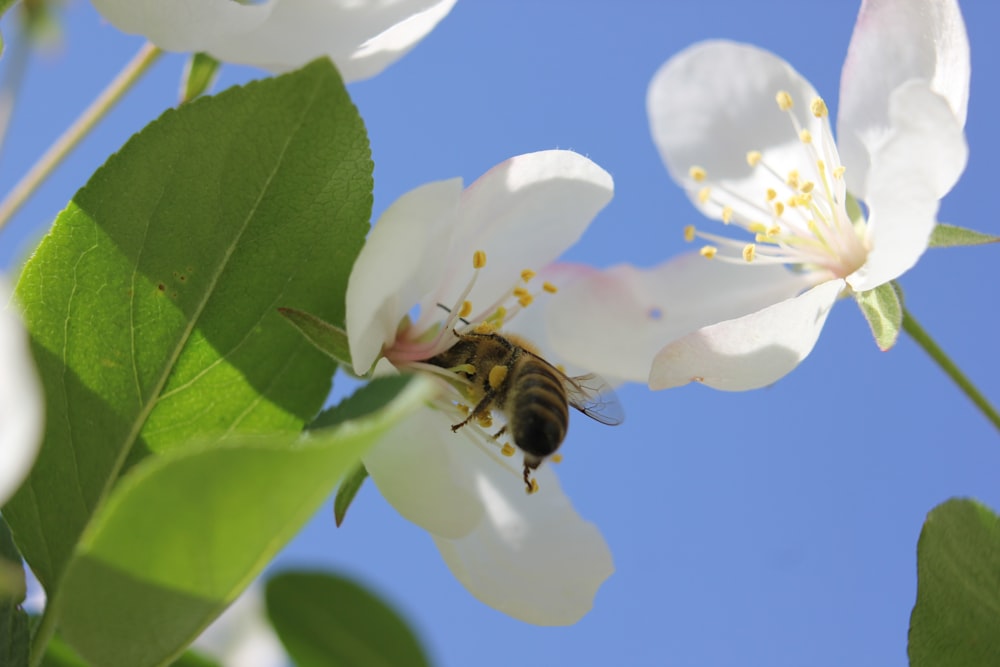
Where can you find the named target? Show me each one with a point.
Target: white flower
(362, 37)
(21, 403)
(242, 637)
(530, 556)
(750, 140)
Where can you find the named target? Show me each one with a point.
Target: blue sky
(775, 527)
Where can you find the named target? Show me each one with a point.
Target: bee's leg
(502, 430)
(530, 484)
(481, 408)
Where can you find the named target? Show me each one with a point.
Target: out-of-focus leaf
(329, 621)
(956, 620)
(59, 654)
(185, 532)
(346, 492)
(152, 303)
(329, 339)
(15, 638)
(949, 236)
(883, 309)
(200, 73)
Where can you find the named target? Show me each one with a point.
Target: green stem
(99, 108)
(43, 634)
(918, 334)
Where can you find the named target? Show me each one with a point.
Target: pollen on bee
(485, 327)
(697, 173)
(784, 100)
(508, 449)
(556, 458)
(497, 376)
(549, 287)
(749, 252)
(818, 107)
(708, 251)
(754, 158)
(478, 259)
(466, 309)
(689, 233)
(527, 275)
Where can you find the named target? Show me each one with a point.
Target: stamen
(465, 310)
(727, 214)
(497, 376)
(805, 136)
(839, 171)
(478, 259)
(771, 194)
(485, 420)
(784, 100)
(468, 369)
(779, 208)
(697, 174)
(704, 194)
(708, 251)
(807, 187)
(485, 328)
(527, 275)
(749, 252)
(689, 233)
(534, 487)
(508, 449)
(525, 300)
(754, 158)
(520, 291)
(818, 108)
(549, 287)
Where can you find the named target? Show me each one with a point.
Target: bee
(507, 374)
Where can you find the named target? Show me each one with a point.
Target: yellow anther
(771, 194)
(697, 174)
(508, 449)
(779, 208)
(556, 458)
(727, 214)
(805, 136)
(839, 171)
(520, 291)
(463, 408)
(478, 259)
(793, 178)
(749, 252)
(792, 202)
(805, 199)
(485, 327)
(468, 369)
(757, 227)
(689, 233)
(704, 194)
(466, 309)
(821, 166)
(549, 287)
(497, 317)
(807, 187)
(708, 251)
(497, 376)
(754, 158)
(818, 107)
(527, 275)
(784, 100)
(485, 420)
(534, 486)
(525, 300)
(774, 230)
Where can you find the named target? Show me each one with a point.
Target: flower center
(799, 217)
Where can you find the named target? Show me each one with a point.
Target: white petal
(532, 557)
(21, 402)
(896, 41)
(184, 25)
(420, 469)
(748, 352)
(362, 38)
(242, 637)
(614, 322)
(523, 213)
(920, 161)
(713, 103)
(399, 263)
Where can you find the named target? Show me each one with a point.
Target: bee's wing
(594, 397)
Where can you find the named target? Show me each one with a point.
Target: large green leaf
(185, 532)
(329, 621)
(152, 303)
(14, 635)
(956, 620)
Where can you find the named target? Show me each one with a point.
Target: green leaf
(346, 492)
(185, 532)
(949, 236)
(15, 638)
(327, 338)
(329, 621)
(199, 75)
(59, 654)
(883, 308)
(152, 303)
(956, 620)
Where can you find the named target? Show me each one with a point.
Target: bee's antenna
(448, 310)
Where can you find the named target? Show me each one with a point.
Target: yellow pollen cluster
(463, 408)
(784, 100)
(771, 194)
(807, 187)
(708, 251)
(556, 458)
(697, 174)
(485, 327)
(497, 375)
(508, 449)
(485, 420)
(818, 108)
(549, 287)
(478, 259)
(839, 171)
(523, 296)
(754, 158)
(466, 309)
(727, 214)
(793, 178)
(749, 252)
(779, 208)
(704, 195)
(689, 233)
(534, 486)
(757, 227)
(527, 275)
(805, 136)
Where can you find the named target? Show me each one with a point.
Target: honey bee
(507, 373)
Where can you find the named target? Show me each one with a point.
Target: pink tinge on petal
(894, 42)
(751, 351)
(532, 557)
